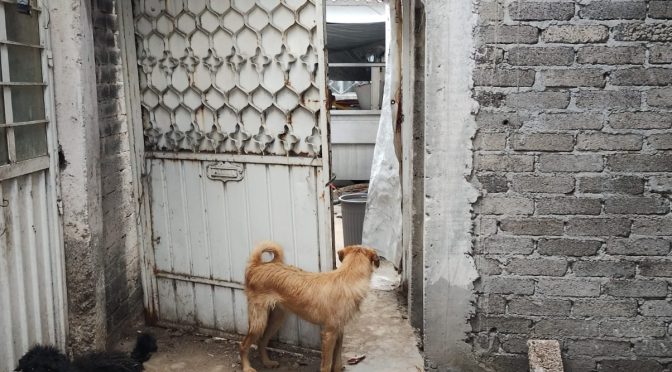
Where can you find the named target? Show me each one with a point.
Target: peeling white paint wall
(449, 127)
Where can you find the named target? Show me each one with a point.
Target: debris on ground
(356, 359)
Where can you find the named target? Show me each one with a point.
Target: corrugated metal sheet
(29, 280)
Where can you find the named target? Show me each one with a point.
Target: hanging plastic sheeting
(382, 222)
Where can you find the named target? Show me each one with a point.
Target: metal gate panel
(234, 118)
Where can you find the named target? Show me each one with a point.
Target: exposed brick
(660, 53)
(538, 100)
(540, 11)
(611, 184)
(655, 268)
(657, 308)
(660, 97)
(573, 78)
(508, 34)
(509, 363)
(504, 77)
(640, 120)
(652, 226)
(539, 306)
(504, 205)
(604, 308)
(570, 163)
(570, 121)
(597, 347)
(638, 247)
(568, 247)
(610, 142)
(576, 34)
(661, 141)
(640, 162)
(493, 183)
(532, 226)
(491, 304)
(537, 266)
(642, 76)
(614, 10)
(499, 120)
(487, 266)
(643, 32)
(661, 184)
(637, 205)
(568, 287)
(508, 245)
(535, 56)
(510, 163)
(507, 286)
(568, 205)
(636, 288)
(490, 99)
(489, 55)
(542, 142)
(661, 9)
(659, 348)
(566, 327)
(625, 365)
(490, 141)
(602, 55)
(516, 344)
(502, 324)
(578, 364)
(598, 226)
(608, 99)
(610, 269)
(543, 184)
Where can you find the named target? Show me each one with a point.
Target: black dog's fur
(49, 359)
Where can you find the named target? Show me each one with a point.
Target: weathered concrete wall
(572, 160)
(78, 135)
(123, 288)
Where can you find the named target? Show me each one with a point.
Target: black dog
(49, 359)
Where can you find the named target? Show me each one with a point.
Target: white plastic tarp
(382, 223)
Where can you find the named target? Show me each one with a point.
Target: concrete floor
(381, 332)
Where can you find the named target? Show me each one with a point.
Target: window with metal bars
(23, 119)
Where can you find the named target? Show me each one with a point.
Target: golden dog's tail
(267, 247)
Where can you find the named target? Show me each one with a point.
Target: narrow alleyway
(381, 332)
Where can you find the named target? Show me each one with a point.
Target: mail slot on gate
(225, 171)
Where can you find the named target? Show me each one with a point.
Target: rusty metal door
(236, 142)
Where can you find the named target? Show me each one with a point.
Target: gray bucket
(353, 207)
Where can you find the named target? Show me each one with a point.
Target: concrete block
(568, 287)
(532, 226)
(538, 100)
(599, 226)
(490, 99)
(560, 184)
(490, 11)
(487, 266)
(597, 347)
(493, 183)
(636, 288)
(503, 324)
(570, 121)
(660, 184)
(604, 10)
(489, 55)
(504, 205)
(508, 245)
(507, 163)
(537, 266)
(604, 308)
(576, 34)
(655, 268)
(570, 163)
(638, 247)
(643, 32)
(611, 184)
(503, 77)
(652, 226)
(506, 285)
(639, 76)
(505, 34)
(608, 99)
(540, 56)
(541, 11)
(545, 355)
(574, 77)
(491, 304)
(608, 142)
(609, 269)
(657, 308)
(660, 141)
(660, 53)
(568, 205)
(640, 120)
(660, 97)
(542, 142)
(620, 55)
(490, 141)
(539, 306)
(568, 247)
(489, 120)
(630, 365)
(660, 9)
(653, 348)
(640, 162)
(637, 205)
(566, 328)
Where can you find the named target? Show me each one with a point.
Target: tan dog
(328, 299)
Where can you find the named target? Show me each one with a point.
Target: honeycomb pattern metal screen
(238, 76)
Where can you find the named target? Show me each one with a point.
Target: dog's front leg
(338, 349)
(329, 338)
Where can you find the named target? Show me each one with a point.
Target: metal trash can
(353, 207)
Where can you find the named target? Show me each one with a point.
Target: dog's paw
(271, 364)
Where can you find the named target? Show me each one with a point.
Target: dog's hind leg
(257, 317)
(329, 338)
(337, 365)
(275, 320)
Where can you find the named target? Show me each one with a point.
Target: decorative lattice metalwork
(229, 76)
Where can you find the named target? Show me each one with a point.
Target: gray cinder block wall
(573, 161)
(123, 289)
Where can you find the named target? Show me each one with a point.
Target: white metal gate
(32, 289)
(236, 142)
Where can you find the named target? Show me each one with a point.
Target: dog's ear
(341, 255)
(373, 256)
